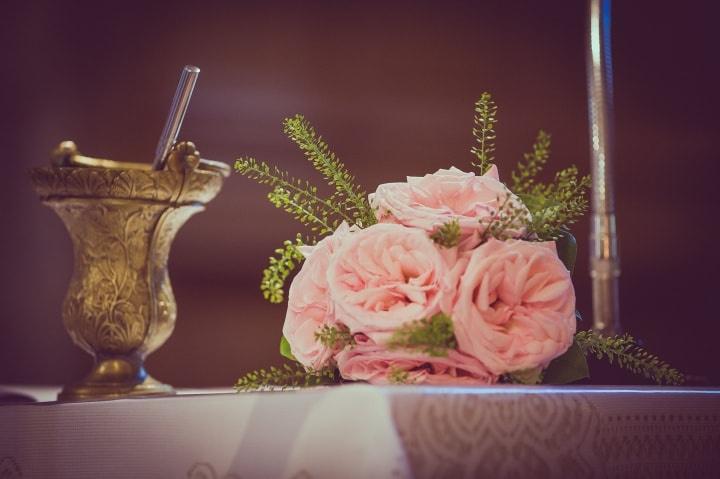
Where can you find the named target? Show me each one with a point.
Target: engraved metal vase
(122, 218)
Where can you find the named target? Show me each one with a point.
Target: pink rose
(376, 364)
(384, 276)
(515, 306)
(430, 201)
(309, 307)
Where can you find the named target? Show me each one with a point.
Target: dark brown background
(391, 85)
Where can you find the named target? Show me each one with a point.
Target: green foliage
(398, 376)
(484, 132)
(298, 197)
(509, 216)
(554, 206)
(448, 235)
(432, 336)
(334, 337)
(557, 205)
(318, 221)
(567, 249)
(280, 267)
(526, 376)
(348, 195)
(284, 377)
(570, 367)
(524, 177)
(625, 352)
(285, 350)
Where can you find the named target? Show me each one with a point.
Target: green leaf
(349, 197)
(279, 268)
(624, 351)
(556, 205)
(568, 368)
(447, 235)
(397, 375)
(532, 164)
(283, 377)
(527, 376)
(536, 202)
(484, 132)
(433, 336)
(567, 250)
(334, 337)
(285, 349)
(298, 197)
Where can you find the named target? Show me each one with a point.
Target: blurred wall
(391, 86)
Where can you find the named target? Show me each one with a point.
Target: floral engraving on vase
(120, 306)
(195, 186)
(103, 182)
(107, 305)
(201, 187)
(165, 312)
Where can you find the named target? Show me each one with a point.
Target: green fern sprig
(432, 336)
(553, 206)
(280, 267)
(397, 375)
(316, 219)
(484, 132)
(284, 377)
(624, 351)
(524, 176)
(509, 215)
(447, 235)
(297, 197)
(334, 337)
(557, 205)
(350, 196)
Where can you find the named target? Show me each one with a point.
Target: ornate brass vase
(122, 218)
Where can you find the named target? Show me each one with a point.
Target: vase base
(113, 379)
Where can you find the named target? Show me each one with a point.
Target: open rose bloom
(509, 305)
(430, 201)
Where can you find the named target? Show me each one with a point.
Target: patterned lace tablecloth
(374, 432)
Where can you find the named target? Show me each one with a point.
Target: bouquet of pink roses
(448, 278)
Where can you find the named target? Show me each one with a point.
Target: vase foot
(113, 379)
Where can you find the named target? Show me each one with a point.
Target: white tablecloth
(375, 432)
